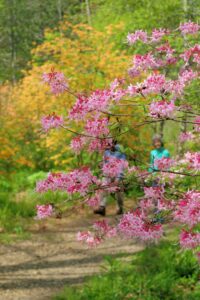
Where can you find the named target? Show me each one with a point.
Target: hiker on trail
(158, 152)
(112, 151)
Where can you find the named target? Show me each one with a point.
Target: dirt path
(37, 268)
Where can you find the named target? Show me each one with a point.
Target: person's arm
(167, 154)
(151, 162)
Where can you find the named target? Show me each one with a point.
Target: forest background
(86, 40)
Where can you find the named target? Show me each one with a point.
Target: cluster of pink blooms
(162, 109)
(197, 124)
(101, 231)
(56, 81)
(94, 200)
(154, 83)
(188, 209)
(97, 127)
(98, 101)
(77, 144)
(135, 225)
(157, 34)
(154, 198)
(114, 167)
(154, 192)
(193, 159)
(144, 222)
(192, 52)
(138, 35)
(89, 238)
(185, 136)
(189, 28)
(99, 144)
(165, 49)
(77, 181)
(142, 63)
(186, 76)
(44, 211)
(52, 121)
(164, 163)
(189, 240)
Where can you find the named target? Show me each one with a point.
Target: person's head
(157, 141)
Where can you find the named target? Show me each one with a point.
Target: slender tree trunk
(12, 21)
(88, 12)
(59, 8)
(183, 125)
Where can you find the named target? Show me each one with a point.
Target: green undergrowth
(160, 272)
(18, 200)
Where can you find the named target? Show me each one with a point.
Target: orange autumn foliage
(89, 60)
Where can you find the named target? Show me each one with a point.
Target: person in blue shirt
(158, 152)
(113, 151)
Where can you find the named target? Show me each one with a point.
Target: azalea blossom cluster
(56, 81)
(114, 167)
(193, 160)
(101, 230)
(189, 28)
(187, 212)
(197, 124)
(44, 211)
(189, 240)
(97, 127)
(164, 163)
(162, 109)
(137, 225)
(188, 209)
(185, 136)
(163, 95)
(52, 121)
(77, 181)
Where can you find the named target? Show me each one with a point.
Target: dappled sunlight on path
(39, 267)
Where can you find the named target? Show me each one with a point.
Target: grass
(157, 273)
(17, 204)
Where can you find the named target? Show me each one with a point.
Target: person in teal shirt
(158, 152)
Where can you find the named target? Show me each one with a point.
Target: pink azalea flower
(189, 240)
(114, 167)
(52, 121)
(193, 159)
(56, 81)
(97, 127)
(155, 192)
(162, 109)
(185, 136)
(164, 163)
(154, 83)
(138, 35)
(103, 229)
(44, 211)
(133, 225)
(166, 49)
(194, 51)
(94, 200)
(77, 144)
(197, 126)
(157, 34)
(88, 238)
(99, 144)
(187, 76)
(188, 209)
(189, 28)
(77, 181)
